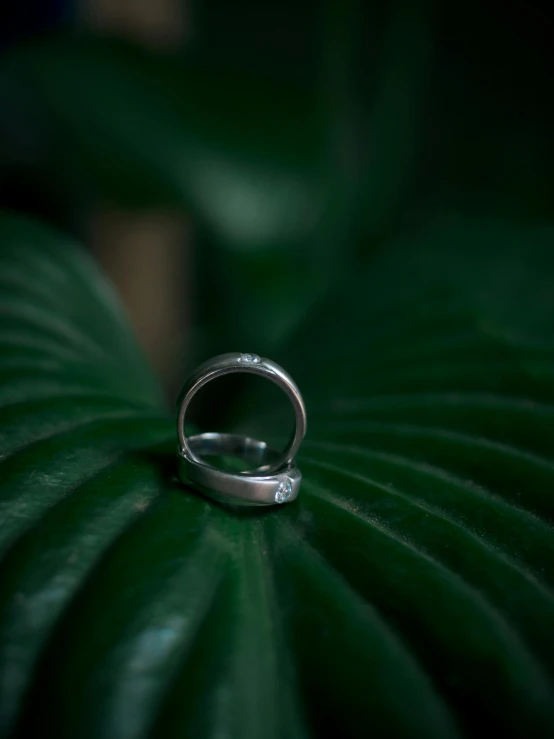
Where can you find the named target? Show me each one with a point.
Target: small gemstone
(249, 358)
(283, 492)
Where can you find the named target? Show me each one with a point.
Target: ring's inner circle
(234, 451)
(243, 403)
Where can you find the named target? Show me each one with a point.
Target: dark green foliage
(408, 592)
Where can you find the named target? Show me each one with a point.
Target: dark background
(426, 106)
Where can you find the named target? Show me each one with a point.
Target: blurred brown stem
(146, 254)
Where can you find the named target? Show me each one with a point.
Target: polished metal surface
(225, 364)
(259, 486)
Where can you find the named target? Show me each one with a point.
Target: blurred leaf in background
(240, 154)
(269, 157)
(298, 137)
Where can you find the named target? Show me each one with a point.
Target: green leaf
(241, 151)
(238, 149)
(281, 163)
(408, 592)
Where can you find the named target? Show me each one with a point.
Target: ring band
(225, 364)
(255, 487)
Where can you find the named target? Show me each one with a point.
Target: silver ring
(225, 364)
(254, 487)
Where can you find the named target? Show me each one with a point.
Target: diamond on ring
(249, 359)
(283, 492)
